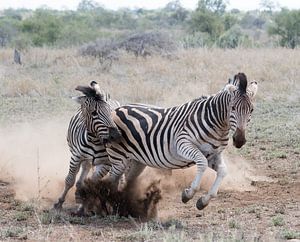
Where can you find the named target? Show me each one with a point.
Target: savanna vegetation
(210, 24)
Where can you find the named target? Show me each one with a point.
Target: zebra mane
(200, 98)
(240, 80)
(91, 91)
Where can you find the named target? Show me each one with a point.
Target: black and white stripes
(194, 133)
(88, 130)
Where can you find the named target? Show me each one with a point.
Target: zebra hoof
(57, 206)
(184, 196)
(79, 212)
(200, 205)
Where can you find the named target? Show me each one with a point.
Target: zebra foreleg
(118, 167)
(190, 152)
(221, 169)
(100, 171)
(85, 169)
(69, 182)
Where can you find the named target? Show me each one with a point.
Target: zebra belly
(163, 157)
(208, 151)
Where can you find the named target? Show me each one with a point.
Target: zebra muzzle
(239, 138)
(114, 133)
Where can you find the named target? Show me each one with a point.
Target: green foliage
(209, 25)
(267, 5)
(206, 22)
(176, 14)
(287, 27)
(253, 20)
(214, 6)
(208, 18)
(197, 40)
(8, 29)
(233, 224)
(278, 221)
(233, 38)
(87, 5)
(229, 21)
(289, 234)
(44, 27)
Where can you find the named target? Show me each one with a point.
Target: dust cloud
(35, 158)
(239, 177)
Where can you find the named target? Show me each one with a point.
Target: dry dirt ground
(257, 203)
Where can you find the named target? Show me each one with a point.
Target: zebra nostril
(114, 133)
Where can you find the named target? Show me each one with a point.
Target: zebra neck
(215, 112)
(91, 137)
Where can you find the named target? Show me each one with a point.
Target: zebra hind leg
(69, 182)
(135, 168)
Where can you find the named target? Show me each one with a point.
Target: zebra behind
(89, 129)
(194, 133)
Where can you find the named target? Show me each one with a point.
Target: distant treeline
(210, 24)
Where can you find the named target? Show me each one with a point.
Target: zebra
(89, 129)
(194, 133)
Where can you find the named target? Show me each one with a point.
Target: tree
(268, 5)
(232, 38)
(43, 27)
(207, 23)
(176, 13)
(207, 18)
(287, 27)
(229, 21)
(215, 6)
(87, 5)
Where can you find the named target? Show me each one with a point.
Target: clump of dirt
(134, 200)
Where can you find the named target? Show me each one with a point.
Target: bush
(104, 50)
(197, 40)
(43, 27)
(206, 22)
(148, 43)
(232, 38)
(141, 44)
(287, 27)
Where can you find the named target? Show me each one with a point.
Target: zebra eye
(251, 110)
(94, 113)
(233, 108)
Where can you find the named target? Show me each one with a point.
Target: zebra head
(97, 113)
(241, 108)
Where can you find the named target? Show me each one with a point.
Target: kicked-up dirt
(252, 205)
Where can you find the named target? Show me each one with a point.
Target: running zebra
(194, 133)
(89, 129)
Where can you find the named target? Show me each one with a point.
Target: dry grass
(42, 86)
(55, 73)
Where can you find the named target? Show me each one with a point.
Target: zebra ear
(230, 88)
(80, 99)
(242, 82)
(99, 92)
(252, 89)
